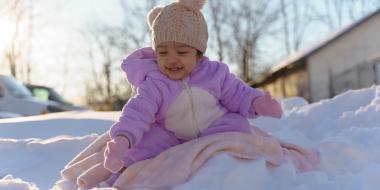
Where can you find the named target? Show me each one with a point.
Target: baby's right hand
(267, 106)
(113, 155)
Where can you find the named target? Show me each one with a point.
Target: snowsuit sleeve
(138, 113)
(236, 96)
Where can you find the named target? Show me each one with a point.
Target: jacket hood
(139, 64)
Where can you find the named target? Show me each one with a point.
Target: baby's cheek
(161, 68)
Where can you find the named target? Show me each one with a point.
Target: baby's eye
(182, 52)
(162, 52)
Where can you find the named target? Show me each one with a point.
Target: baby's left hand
(113, 155)
(267, 106)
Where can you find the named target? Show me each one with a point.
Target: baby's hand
(113, 155)
(267, 106)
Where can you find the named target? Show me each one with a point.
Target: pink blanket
(177, 164)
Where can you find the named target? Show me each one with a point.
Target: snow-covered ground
(345, 129)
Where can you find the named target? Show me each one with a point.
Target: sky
(344, 129)
(60, 47)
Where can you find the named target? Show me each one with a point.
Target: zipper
(194, 119)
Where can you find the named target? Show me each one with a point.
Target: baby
(179, 94)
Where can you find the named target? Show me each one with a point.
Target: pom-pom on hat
(181, 21)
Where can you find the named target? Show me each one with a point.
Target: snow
(8, 115)
(10, 183)
(345, 129)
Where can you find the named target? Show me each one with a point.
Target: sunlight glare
(6, 30)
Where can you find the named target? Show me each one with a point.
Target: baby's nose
(172, 59)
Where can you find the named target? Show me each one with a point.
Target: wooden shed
(347, 59)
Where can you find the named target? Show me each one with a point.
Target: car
(5, 115)
(16, 98)
(45, 93)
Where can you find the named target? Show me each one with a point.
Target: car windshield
(15, 88)
(56, 97)
(45, 93)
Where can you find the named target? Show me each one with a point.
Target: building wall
(377, 69)
(290, 84)
(350, 50)
(359, 76)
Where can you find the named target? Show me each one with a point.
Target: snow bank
(10, 183)
(345, 129)
(36, 148)
(40, 160)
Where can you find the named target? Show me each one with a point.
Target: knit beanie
(180, 21)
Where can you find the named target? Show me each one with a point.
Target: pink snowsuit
(165, 112)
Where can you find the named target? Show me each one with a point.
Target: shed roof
(297, 57)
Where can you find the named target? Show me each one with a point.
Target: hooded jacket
(209, 100)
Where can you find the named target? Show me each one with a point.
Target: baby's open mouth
(174, 68)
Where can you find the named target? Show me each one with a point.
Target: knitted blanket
(177, 164)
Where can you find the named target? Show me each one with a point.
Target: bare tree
(248, 22)
(29, 51)
(134, 28)
(218, 17)
(103, 51)
(295, 17)
(285, 25)
(302, 18)
(108, 45)
(338, 12)
(332, 13)
(19, 49)
(12, 53)
(6, 6)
